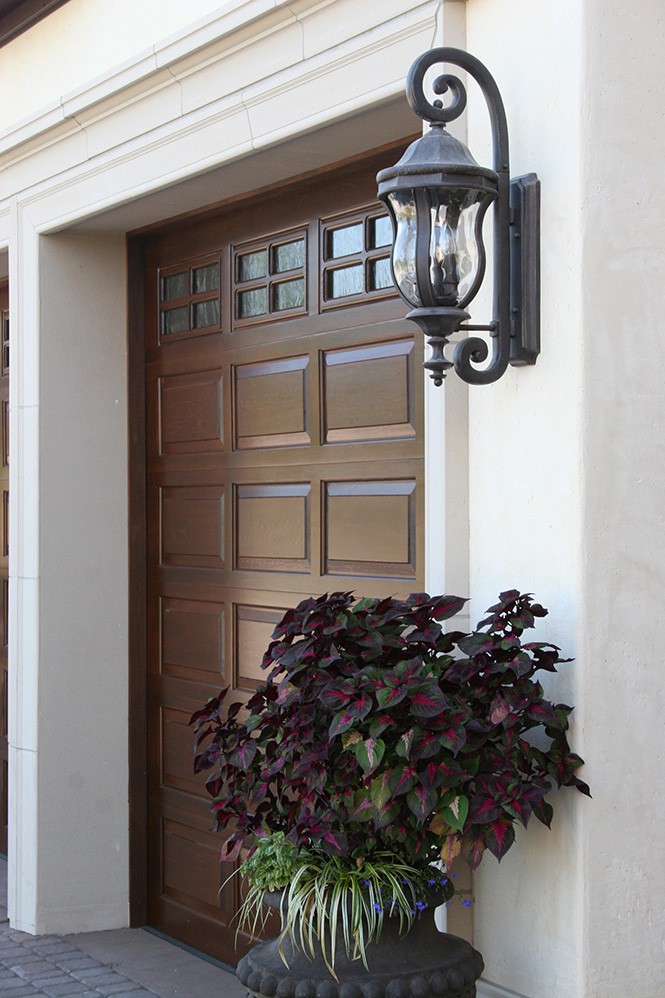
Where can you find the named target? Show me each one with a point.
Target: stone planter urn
(423, 963)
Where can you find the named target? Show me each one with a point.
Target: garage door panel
(369, 393)
(191, 413)
(271, 404)
(284, 459)
(192, 639)
(192, 522)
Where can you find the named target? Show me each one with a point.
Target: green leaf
(370, 753)
(455, 814)
(380, 791)
(404, 744)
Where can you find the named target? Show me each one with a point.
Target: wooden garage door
(284, 458)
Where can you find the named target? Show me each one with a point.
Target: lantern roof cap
(434, 155)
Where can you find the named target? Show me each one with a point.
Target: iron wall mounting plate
(524, 270)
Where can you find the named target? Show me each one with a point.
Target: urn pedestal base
(424, 963)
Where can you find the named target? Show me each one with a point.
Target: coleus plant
(377, 731)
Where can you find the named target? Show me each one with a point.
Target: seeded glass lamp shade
(437, 196)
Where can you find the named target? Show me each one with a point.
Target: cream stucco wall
(566, 485)
(563, 462)
(84, 39)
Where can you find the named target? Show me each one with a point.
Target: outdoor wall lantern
(437, 196)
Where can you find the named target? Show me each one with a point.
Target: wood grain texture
(283, 458)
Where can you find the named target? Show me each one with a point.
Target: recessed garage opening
(281, 394)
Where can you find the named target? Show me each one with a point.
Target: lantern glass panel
(450, 228)
(454, 254)
(403, 206)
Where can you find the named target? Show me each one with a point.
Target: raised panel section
(191, 871)
(5, 613)
(271, 405)
(190, 407)
(369, 529)
(193, 526)
(192, 640)
(272, 527)
(178, 753)
(5, 433)
(369, 393)
(5, 523)
(253, 630)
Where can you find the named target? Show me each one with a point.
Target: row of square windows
(271, 278)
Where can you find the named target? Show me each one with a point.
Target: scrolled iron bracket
(515, 325)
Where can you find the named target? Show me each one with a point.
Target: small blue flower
(467, 903)
(420, 905)
(453, 875)
(366, 883)
(377, 906)
(431, 882)
(447, 904)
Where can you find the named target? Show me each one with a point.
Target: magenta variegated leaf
(389, 696)
(363, 808)
(341, 722)
(421, 802)
(402, 779)
(244, 754)
(230, 850)
(426, 700)
(499, 837)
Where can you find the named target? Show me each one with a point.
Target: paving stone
(92, 976)
(100, 981)
(22, 959)
(50, 979)
(38, 968)
(68, 988)
(116, 987)
(20, 991)
(78, 962)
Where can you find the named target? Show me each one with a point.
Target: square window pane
(252, 302)
(345, 281)
(175, 286)
(379, 274)
(205, 278)
(345, 240)
(175, 320)
(251, 266)
(380, 231)
(288, 294)
(206, 313)
(288, 256)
